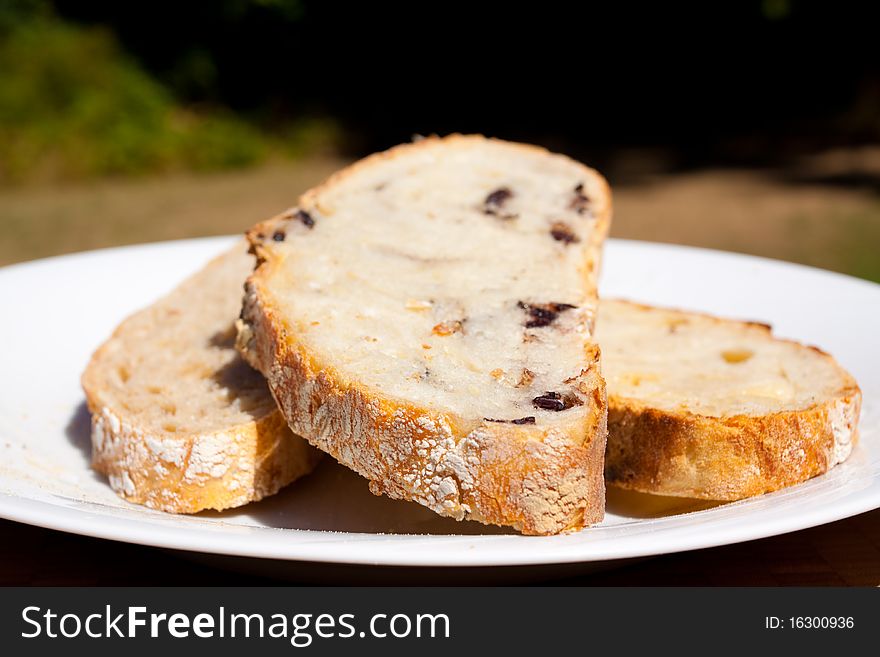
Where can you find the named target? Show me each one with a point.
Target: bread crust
(537, 480)
(195, 472)
(683, 454)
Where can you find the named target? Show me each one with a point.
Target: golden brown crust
(686, 455)
(538, 480)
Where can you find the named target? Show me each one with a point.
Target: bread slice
(717, 409)
(179, 421)
(424, 317)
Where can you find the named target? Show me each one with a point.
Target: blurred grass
(862, 246)
(830, 226)
(38, 221)
(74, 106)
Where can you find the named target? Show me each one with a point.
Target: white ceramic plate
(56, 311)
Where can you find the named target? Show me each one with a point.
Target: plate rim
(251, 544)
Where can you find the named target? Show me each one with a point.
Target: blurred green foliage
(73, 105)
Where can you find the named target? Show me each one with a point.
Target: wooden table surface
(844, 553)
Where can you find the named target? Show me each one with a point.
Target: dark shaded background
(731, 82)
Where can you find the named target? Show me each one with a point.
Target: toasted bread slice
(717, 409)
(424, 317)
(179, 421)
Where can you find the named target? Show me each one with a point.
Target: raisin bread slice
(179, 421)
(424, 317)
(717, 409)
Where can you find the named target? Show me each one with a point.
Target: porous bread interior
(412, 289)
(173, 368)
(679, 361)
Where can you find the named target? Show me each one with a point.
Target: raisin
(498, 198)
(495, 200)
(562, 232)
(549, 401)
(304, 217)
(279, 235)
(539, 315)
(553, 401)
(529, 419)
(581, 202)
(543, 314)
